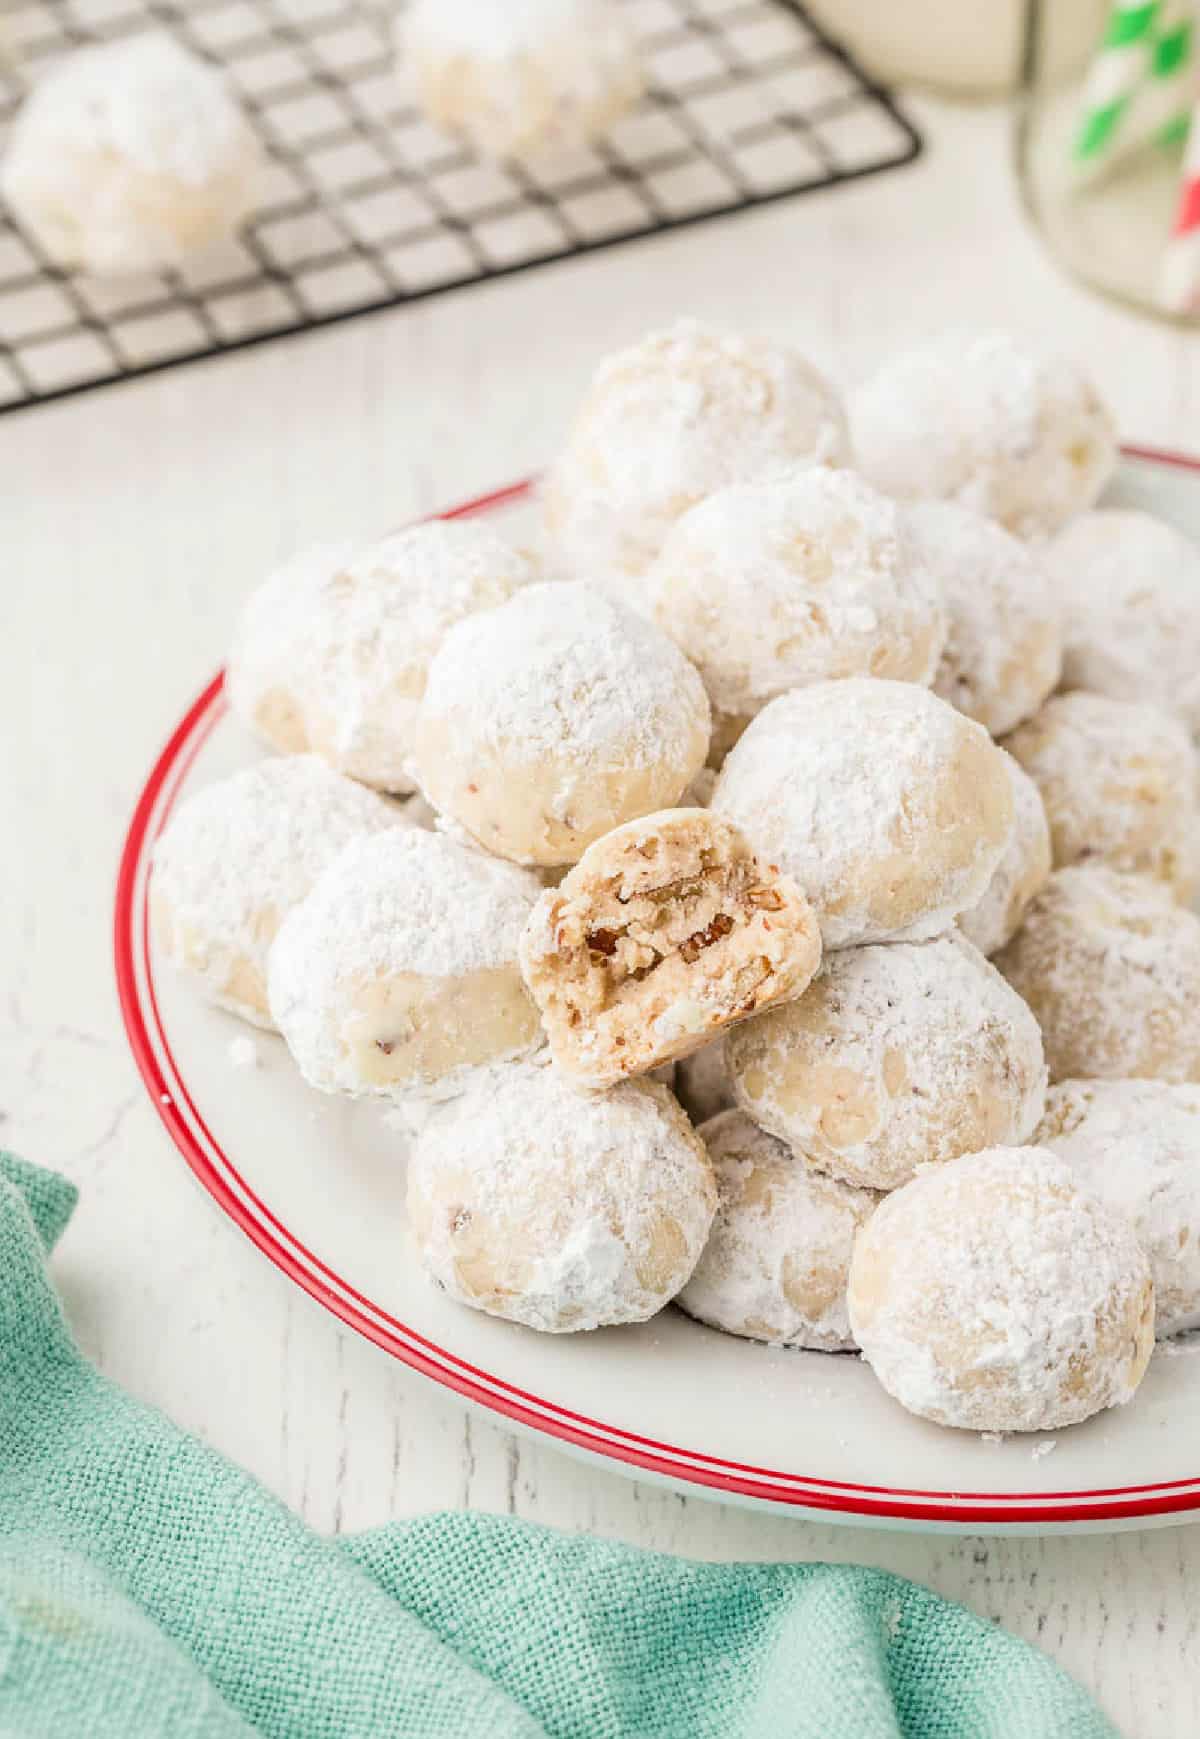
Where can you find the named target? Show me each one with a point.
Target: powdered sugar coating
(555, 718)
(1003, 650)
(1120, 782)
(664, 424)
(776, 1261)
(889, 809)
(994, 1294)
(130, 156)
(238, 856)
(979, 419)
(771, 585)
(560, 1209)
(1021, 873)
(399, 971)
(1131, 588)
(897, 1056)
(520, 78)
(1110, 965)
(332, 651)
(1136, 1144)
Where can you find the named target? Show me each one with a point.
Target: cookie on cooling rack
(520, 79)
(130, 156)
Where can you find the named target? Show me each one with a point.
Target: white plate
(317, 1184)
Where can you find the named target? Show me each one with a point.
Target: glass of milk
(1107, 218)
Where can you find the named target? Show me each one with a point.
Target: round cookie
(666, 931)
(1119, 782)
(702, 1083)
(520, 78)
(1110, 965)
(994, 1294)
(1021, 873)
(771, 585)
(1003, 651)
(555, 718)
(238, 856)
(978, 419)
(560, 1209)
(684, 412)
(1130, 586)
(331, 652)
(1136, 1145)
(776, 1261)
(897, 1056)
(888, 808)
(130, 156)
(398, 973)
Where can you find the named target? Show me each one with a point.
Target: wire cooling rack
(366, 206)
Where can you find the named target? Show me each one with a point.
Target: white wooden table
(133, 522)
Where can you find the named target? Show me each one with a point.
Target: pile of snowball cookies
(775, 892)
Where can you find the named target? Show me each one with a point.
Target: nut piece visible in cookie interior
(667, 931)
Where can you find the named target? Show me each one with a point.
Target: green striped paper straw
(1121, 66)
(1170, 89)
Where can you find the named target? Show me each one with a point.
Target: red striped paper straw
(1181, 262)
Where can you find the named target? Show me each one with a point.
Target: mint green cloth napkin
(149, 1588)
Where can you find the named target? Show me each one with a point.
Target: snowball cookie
(1131, 589)
(1110, 965)
(897, 1056)
(890, 809)
(130, 157)
(976, 418)
(666, 931)
(996, 1295)
(1021, 873)
(557, 1208)
(776, 1261)
(1136, 1144)
(1003, 651)
(665, 423)
(522, 77)
(236, 857)
(555, 718)
(775, 584)
(702, 1083)
(332, 651)
(399, 971)
(1119, 782)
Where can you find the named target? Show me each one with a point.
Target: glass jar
(1102, 119)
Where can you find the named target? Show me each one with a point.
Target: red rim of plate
(220, 1177)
